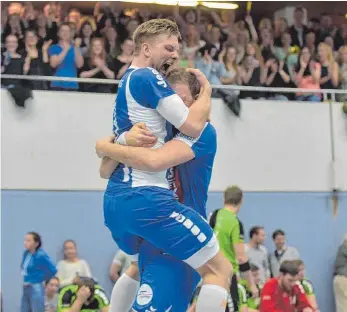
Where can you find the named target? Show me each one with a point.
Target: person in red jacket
(283, 294)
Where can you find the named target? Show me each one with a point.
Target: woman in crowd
(343, 72)
(193, 42)
(36, 60)
(71, 266)
(228, 58)
(111, 45)
(329, 68)
(122, 62)
(16, 28)
(86, 36)
(46, 29)
(37, 267)
(97, 65)
(310, 40)
(307, 74)
(280, 27)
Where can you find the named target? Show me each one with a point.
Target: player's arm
(66, 303)
(102, 299)
(309, 291)
(237, 237)
(302, 303)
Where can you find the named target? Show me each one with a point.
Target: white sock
(212, 298)
(123, 294)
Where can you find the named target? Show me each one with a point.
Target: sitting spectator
(227, 57)
(249, 74)
(123, 61)
(65, 58)
(306, 284)
(11, 61)
(97, 65)
(329, 68)
(71, 266)
(36, 61)
(120, 263)
(340, 277)
(307, 75)
(281, 253)
(86, 36)
(282, 293)
(84, 295)
(257, 252)
(51, 291)
(276, 75)
(37, 267)
(298, 31)
(343, 72)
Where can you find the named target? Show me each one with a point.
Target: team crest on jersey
(144, 295)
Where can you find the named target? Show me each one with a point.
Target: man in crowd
(85, 295)
(281, 253)
(283, 294)
(340, 279)
(230, 234)
(257, 252)
(306, 285)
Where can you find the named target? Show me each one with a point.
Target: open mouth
(166, 67)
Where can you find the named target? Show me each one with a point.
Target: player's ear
(146, 49)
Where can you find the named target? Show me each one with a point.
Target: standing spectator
(340, 278)
(36, 267)
(281, 253)
(298, 31)
(282, 294)
(97, 65)
(216, 39)
(16, 28)
(306, 285)
(36, 61)
(86, 36)
(46, 28)
(71, 266)
(120, 264)
(343, 72)
(311, 43)
(65, 58)
(193, 42)
(123, 61)
(228, 58)
(329, 68)
(307, 75)
(51, 292)
(281, 26)
(230, 234)
(111, 36)
(257, 252)
(326, 29)
(11, 61)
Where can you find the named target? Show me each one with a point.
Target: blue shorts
(167, 284)
(154, 215)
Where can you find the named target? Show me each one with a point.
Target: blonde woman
(228, 58)
(343, 72)
(329, 68)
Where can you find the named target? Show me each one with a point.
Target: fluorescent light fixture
(220, 5)
(175, 2)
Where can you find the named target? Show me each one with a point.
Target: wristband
(244, 267)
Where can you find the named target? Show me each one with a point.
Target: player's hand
(204, 83)
(100, 145)
(83, 294)
(255, 291)
(140, 136)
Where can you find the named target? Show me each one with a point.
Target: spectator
(282, 293)
(65, 58)
(311, 43)
(307, 75)
(215, 36)
(193, 42)
(276, 75)
(340, 278)
(111, 42)
(257, 252)
(36, 61)
(330, 42)
(314, 24)
(51, 292)
(329, 68)
(326, 29)
(46, 29)
(71, 266)
(123, 61)
(36, 267)
(11, 61)
(86, 36)
(281, 253)
(97, 65)
(120, 264)
(228, 58)
(267, 45)
(75, 17)
(131, 27)
(83, 296)
(298, 31)
(306, 284)
(265, 23)
(16, 28)
(281, 27)
(190, 17)
(343, 72)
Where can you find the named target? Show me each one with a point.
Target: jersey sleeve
(237, 233)
(301, 299)
(65, 300)
(308, 287)
(102, 298)
(204, 144)
(148, 87)
(242, 295)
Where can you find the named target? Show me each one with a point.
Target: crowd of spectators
(61, 42)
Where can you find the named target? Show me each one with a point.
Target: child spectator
(51, 294)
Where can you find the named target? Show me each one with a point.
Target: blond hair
(154, 28)
(342, 50)
(328, 51)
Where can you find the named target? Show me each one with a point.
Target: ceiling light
(220, 5)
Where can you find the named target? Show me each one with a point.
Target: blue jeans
(33, 298)
(308, 98)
